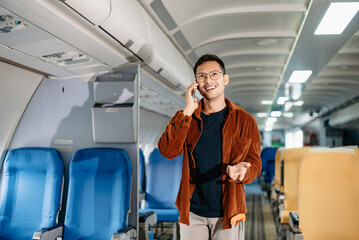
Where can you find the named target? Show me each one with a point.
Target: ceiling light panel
(300, 76)
(337, 18)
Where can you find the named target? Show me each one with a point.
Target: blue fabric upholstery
(164, 215)
(268, 156)
(151, 235)
(31, 183)
(98, 195)
(163, 180)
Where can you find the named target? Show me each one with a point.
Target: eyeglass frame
(208, 74)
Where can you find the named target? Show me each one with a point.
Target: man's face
(208, 85)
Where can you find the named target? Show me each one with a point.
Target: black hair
(208, 58)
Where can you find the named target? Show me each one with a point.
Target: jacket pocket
(240, 148)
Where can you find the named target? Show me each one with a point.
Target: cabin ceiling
(261, 42)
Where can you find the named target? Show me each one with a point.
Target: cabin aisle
(260, 222)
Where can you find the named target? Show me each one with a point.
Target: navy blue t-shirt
(206, 200)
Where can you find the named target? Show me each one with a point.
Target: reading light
(337, 18)
(281, 100)
(272, 119)
(275, 113)
(298, 103)
(288, 114)
(269, 124)
(266, 102)
(287, 106)
(268, 129)
(261, 115)
(300, 76)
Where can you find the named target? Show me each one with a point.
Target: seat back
(291, 160)
(163, 180)
(99, 193)
(328, 195)
(277, 160)
(268, 156)
(31, 186)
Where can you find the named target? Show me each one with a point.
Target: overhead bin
(114, 33)
(95, 11)
(344, 115)
(128, 23)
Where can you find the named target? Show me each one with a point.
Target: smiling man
(220, 143)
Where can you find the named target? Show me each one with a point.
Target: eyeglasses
(214, 75)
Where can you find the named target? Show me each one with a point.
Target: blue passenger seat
(268, 159)
(99, 194)
(30, 197)
(162, 185)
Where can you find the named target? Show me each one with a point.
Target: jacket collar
(231, 108)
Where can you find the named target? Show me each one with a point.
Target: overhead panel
(338, 82)
(30, 46)
(131, 26)
(253, 38)
(95, 11)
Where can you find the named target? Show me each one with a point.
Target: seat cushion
(164, 215)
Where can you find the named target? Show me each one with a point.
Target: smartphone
(194, 93)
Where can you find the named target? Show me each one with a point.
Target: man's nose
(206, 76)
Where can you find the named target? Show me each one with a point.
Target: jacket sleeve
(253, 156)
(172, 140)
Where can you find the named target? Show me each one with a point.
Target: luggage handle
(234, 220)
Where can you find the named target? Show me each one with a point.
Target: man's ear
(226, 79)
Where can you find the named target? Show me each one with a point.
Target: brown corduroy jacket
(241, 142)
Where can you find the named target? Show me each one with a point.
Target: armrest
(142, 200)
(53, 227)
(293, 216)
(125, 234)
(141, 196)
(50, 233)
(294, 223)
(148, 218)
(281, 198)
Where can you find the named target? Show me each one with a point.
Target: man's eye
(200, 76)
(214, 73)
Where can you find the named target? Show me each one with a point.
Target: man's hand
(238, 171)
(191, 102)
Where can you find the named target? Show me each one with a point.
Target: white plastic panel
(152, 126)
(95, 11)
(344, 115)
(174, 66)
(31, 46)
(131, 25)
(68, 26)
(17, 87)
(128, 24)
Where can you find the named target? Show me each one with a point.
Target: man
(220, 144)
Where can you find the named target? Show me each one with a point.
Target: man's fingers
(238, 172)
(231, 173)
(241, 176)
(246, 164)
